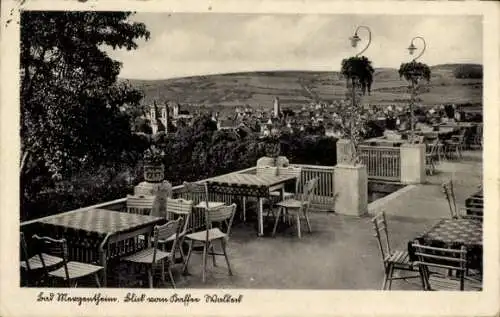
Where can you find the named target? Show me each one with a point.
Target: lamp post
(414, 82)
(412, 48)
(355, 39)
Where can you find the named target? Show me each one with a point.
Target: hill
(295, 88)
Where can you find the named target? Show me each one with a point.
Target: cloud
(194, 44)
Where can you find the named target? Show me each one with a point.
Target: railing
(382, 162)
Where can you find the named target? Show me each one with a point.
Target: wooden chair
(430, 157)
(289, 171)
(177, 208)
(478, 137)
(70, 271)
(447, 259)
(274, 196)
(455, 145)
(198, 193)
(208, 237)
(456, 212)
(298, 206)
(392, 260)
(154, 255)
(33, 265)
(142, 205)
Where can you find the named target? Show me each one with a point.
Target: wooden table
(455, 233)
(98, 235)
(250, 185)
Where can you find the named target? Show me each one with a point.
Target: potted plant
(154, 169)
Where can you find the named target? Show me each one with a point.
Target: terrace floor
(341, 252)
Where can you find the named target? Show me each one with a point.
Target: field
(296, 88)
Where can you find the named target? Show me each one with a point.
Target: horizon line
(273, 70)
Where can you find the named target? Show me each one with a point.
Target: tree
(72, 106)
(468, 71)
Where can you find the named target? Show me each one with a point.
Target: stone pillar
(344, 151)
(412, 163)
(351, 188)
(162, 191)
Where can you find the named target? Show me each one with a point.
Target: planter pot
(154, 173)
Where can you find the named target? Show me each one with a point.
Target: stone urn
(154, 170)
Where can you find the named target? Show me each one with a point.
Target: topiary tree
(358, 72)
(414, 72)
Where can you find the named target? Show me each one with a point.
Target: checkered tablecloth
(468, 232)
(101, 221)
(85, 230)
(246, 184)
(454, 233)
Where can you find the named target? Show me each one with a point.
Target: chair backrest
(223, 214)
(382, 235)
(292, 171)
(24, 250)
(164, 232)
(431, 148)
(197, 192)
(56, 247)
(180, 208)
(449, 194)
(142, 205)
(460, 136)
(444, 258)
(308, 192)
(266, 171)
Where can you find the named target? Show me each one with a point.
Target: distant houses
(312, 118)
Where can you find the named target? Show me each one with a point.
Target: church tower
(276, 110)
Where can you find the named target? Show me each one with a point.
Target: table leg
(104, 264)
(244, 202)
(147, 236)
(260, 216)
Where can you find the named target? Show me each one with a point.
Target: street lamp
(355, 39)
(414, 82)
(412, 48)
(358, 71)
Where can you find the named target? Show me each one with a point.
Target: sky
(187, 44)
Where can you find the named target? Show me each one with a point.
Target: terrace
(340, 253)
